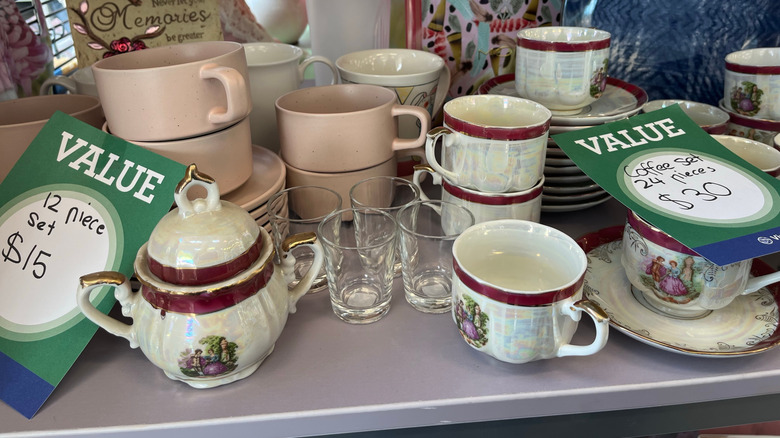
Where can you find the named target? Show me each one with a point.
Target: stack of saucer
(750, 93)
(566, 187)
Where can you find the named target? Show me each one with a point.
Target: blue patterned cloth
(675, 49)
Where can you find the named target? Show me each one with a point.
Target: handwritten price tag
(696, 186)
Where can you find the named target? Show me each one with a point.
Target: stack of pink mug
(336, 135)
(188, 102)
(492, 156)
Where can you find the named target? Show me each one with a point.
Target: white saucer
(567, 179)
(267, 178)
(552, 208)
(572, 199)
(749, 325)
(561, 170)
(570, 189)
(620, 100)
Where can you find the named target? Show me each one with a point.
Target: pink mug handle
(238, 102)
(425, 124)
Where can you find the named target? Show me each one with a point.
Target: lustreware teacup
(761, 155)
(751, 82)
(674, 280)
(711, 119)
(491, 143)
(525, 204)
(517, 292)
(174, 92)
(563, 68)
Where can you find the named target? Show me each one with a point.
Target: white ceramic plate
(552, 208)
(749, 325)
(565, 189)
(566, 179)
(267, 178)
(620, 100)
(572, 199)
(558, 129)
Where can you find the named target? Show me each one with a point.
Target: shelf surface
(407, 370)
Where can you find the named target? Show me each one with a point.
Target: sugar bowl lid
(204, 240)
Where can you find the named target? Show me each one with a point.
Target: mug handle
(288, 264)
(317, 58)
(442, 88)
(430, 151)
(425, 124)
(600, 318)
(123, 294)
(238, 101)
(64, 81)
(757, 283)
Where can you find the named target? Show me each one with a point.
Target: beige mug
(344, 127)
(174, 92)
(275, 69)
(82, 81)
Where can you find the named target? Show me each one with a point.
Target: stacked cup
(188, 102)
(336, 135)
(492, 156)
(751, 93)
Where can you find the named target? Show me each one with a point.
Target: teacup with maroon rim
(517, 292)
(761, 155)
(491, 143)
(525, 204)
(751, 82)
(762, 130)
(673, 280)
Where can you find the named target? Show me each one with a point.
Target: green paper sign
(673, 174)
(78, 201)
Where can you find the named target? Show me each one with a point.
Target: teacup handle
(442, 88)
(444, 133)
(419, 171)
(238, 101)
(316, 58)
(123, 294)
(425, 124)
(757, 283)
(600, 318)
(64, 81)
(288, 264)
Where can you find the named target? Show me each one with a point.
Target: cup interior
(519, 256)
(701, 113)
(390, 62)
(759, 154)
(270, 53)
(497, 111)
(335, 99)
(759, 57)
(564, 34)
(36, 109)
(168, 56)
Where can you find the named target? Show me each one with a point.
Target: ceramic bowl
(21, 119)
(710, 118)
(761, 155)
(225, 155)
(751, 83)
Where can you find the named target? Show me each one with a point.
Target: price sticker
(38, 239)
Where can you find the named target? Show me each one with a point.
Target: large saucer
(749, 325)
(620, 100)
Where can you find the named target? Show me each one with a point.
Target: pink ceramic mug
(344, 127)
(174, 92)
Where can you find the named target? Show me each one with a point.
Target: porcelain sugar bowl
(214, 294)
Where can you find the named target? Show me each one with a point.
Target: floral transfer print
(218, 356)
(746, 98)
(472, 322)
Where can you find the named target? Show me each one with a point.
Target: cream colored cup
(417, 77)
(174, 92)
(22, 119)
(82, 81)
(343, 128)
(491, 143)
(751, 83)
(339, 182)
(761, 155)
(711, 119)
(275, 69)
(524, 205)
(563, 68)
(517, 292)
(225, 155)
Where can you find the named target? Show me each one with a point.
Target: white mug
(491, 143)
(82, 81)
(275, 69)
(517, 292)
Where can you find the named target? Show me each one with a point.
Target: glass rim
(273, 216)
(436, 202)
(325, 241)
(415, 190)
